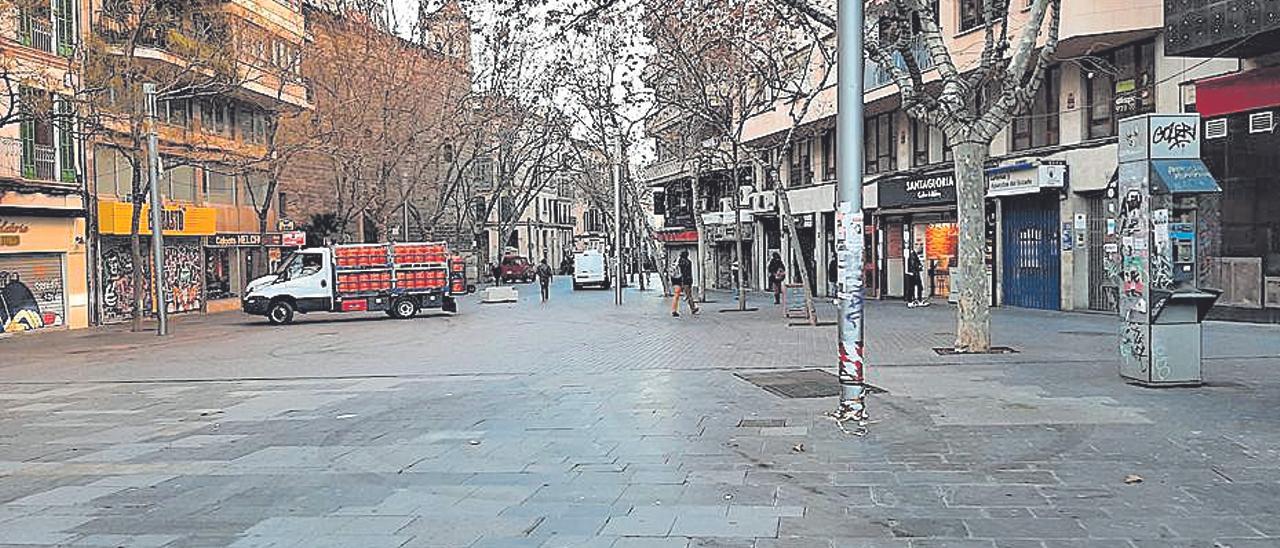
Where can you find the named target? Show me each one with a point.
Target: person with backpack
(544, 278)
(682, 283)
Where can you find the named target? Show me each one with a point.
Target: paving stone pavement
(578, 424)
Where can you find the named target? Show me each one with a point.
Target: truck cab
(303, 283)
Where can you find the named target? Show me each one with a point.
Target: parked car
(516, 268)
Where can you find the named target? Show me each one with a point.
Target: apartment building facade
(1047, 177)
(214, 184)
(44, 254)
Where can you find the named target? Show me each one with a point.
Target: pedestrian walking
(777, 273)
(544, 278)
(915, 287)
(682, 281)
(833, 275)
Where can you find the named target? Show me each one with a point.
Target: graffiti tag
(1176, 134)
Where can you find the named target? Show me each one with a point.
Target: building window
(253, 189)
(1129, 92)
(801, 172)
(1039, 126)
(112, 172)
(447, 152)
(829, 152)
(947, 155)
(972, 14)
(217, 117)
(175, 112)
(178, 182)
(219, 188)
(879, 146)
(253, 125)
(919, 143)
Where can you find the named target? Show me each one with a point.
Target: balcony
(1221, 28)
(39, 165)
(875, 76)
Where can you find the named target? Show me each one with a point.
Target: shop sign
(285, 225)
(270, 239)
(294, 238)
(1026, 179)
(116, 218)
(926, 190)
(10, 233)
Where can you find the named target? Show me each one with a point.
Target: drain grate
(803, 383)
(762, 423)
(948, 351)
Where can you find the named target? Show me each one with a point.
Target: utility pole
(849, 238)
(617, 223)
(157, 213)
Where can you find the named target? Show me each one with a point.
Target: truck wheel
(280, 313)
(404, 309)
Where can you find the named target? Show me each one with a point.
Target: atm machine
(1161, 304)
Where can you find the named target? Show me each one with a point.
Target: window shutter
(64, 23)
(66, 142)
(27, 133)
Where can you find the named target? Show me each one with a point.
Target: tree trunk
(702, 234)
(135, 250)
(737, 234)
(973, 329)
(788, 222)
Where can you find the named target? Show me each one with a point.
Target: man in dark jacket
(777, 274)
(544, 278)
(915, 286)
(682, 282)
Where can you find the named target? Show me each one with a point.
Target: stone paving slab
(596, 426)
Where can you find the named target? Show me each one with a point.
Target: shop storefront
(675, 241)
(919, 212)
(1029, 193)
(1240, 252)
(184, 229)
(42, 273)
(721, 229)
(233, 260)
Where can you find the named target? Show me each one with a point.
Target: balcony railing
(39, 165)
(35, 32)
(875, 76)
(662, 170)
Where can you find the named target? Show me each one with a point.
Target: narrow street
(578, 423)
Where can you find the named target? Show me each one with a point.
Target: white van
(590, 269)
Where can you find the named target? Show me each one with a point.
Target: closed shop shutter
(32, 292)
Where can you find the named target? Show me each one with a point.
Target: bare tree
(970, 104)
(206, 61)
(721, 68)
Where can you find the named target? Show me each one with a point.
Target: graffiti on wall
(182, 270)
(117, 281)
(30, 301)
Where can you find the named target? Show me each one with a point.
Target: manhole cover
(803, 383)
(762, 423)
(948, 351)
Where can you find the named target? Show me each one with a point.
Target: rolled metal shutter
(32, 292)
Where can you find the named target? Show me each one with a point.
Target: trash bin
(1176, 352)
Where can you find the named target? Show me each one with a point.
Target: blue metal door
(1032, 251)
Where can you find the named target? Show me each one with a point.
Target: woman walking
(682, 282)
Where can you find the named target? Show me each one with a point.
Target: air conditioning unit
(1215, 129)
(764, 202)
(726, 204)
(1262, 122)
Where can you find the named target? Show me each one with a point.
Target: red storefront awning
(1239, 92)
(677, 236)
